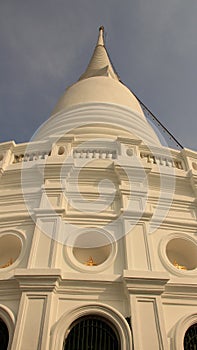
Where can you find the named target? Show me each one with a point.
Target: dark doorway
(190, 339)
(4, 335)
(92, 333)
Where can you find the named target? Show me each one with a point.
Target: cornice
(145, 282)
(186, 152)
(37, 280)
(15, 216)
(8, 287)
(53, 280)
(177, 224)
(181, 288)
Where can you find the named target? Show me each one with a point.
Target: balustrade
(27, 157)
(162, 160)
(95, 153)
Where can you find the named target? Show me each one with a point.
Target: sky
(46, 45)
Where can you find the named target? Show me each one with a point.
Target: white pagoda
(98, 229)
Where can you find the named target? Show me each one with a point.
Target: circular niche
(10, 249)
(92, 250)
(182, 253)
(61, 151)
(129, 152)
(194, 165)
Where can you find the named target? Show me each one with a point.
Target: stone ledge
(145, 282)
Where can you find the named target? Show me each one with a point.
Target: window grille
(91, 333)
(4, 335)
(190, 339)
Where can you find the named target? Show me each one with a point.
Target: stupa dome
(99, 83)
(99, 104)
(98, 89)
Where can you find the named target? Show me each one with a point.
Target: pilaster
(144, 289)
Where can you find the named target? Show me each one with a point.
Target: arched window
(92, 333)
(4, 335)
(190, 339)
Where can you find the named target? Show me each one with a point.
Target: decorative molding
(48, 280)
(38, 280)
(61, 327)
(181, 288)
(145, 282)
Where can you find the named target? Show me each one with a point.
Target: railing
(95, 153)
(98, 153)
(27, 157)
(162, 160)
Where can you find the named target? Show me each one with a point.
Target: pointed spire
(101, 37)
(100, 64)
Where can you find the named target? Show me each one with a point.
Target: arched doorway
(190, 339)
(92, 332)
(4, 335)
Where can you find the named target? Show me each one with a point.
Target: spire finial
(101, 36)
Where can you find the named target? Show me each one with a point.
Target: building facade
(98, 230)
